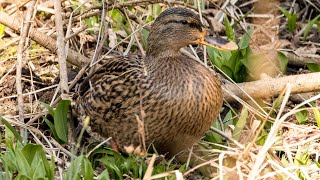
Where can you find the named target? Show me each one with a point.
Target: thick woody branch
(272, 87)
(74, 57)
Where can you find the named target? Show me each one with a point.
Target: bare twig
(101, 36)
(61, 52)
(25, 29)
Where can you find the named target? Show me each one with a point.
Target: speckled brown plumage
(180, 97)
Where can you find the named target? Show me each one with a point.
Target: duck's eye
(183, 21)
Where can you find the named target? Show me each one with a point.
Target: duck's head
(179, 27)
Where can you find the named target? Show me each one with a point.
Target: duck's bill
(219, 43)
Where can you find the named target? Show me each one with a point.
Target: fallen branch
(272, 87)
(74, 57)
(300, 60)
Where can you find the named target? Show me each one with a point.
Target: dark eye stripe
(195, 25)
(183, 22)
(192, 24)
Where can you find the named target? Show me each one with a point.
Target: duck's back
(176, 100)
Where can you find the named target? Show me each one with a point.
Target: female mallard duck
(165, 99)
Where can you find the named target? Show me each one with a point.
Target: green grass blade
(309, 26)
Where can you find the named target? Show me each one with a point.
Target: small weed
(60, 115)
(292, 19)
(21, 161)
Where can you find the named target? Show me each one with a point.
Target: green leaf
(214, 56)
(22, 164)
(292, 22)
(227, 71)
(104, 175)
(87, 168)
(112, 167)
(292, 19)
(60, 119)
(80, 167)
(240, 124)
(302, 116)
(144, 34)
(51, 126)
(309, 26)
(13, 130)
(285, 12)
(48, 107)
(283, 61)
(156, 10)
(245, 39)
(229, 29)
(313, 67)
(316, 113)
(318, 25)
(30, 150)
(240, 72)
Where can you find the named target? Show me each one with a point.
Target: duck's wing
(112, 89)
(111, 66)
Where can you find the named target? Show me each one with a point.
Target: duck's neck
(161, 52)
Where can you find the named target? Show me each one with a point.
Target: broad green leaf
(240, 72)
(313, 67)
(156, 10)
(283, 61)
(225, 58)
(228, 119)
(309, 26)
(214, 56)
(87, 168)
(30, 150)
(245, 39)
(227, 71)
(241, 123)
(117, 16)
(39, 171)
(104, 175)
(22, 164)
(51, 126)
(60, 119)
